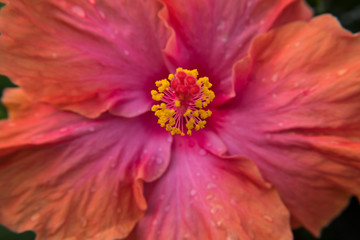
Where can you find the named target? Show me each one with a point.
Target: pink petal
(297, 116)
(213, 35)
(87, 56)
(203, 196)
(67, 177)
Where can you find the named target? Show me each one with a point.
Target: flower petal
(68, 177)
(87, 56)
(297, 116)
(202, 196)
(212, 35)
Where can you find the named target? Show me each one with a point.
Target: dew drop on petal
(192, 192)
(83, 222)
(93, 2)
(78, 11)
(342, 72)
(274, 77)
(268, 218)
(35, 217)
(210, 186)
(159, 160)
(102, 14)
(210, 196)
(126, 52)
(202, 152)
(91, 129)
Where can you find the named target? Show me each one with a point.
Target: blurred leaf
(5, 234)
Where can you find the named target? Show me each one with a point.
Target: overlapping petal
(67, 177)
(297, 116)
(203, 196)
(86, 56)
(212, 35)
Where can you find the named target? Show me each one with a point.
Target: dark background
(347, 225)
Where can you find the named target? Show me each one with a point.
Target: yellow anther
(187, 113)
(190, 124)
(198, 103)
(183, 110)
(155, 108)
(209, 113)
(157, 97)
(203, 114)
(172, 121)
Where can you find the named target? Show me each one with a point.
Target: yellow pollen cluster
(183, 98)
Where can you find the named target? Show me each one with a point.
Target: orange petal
(212, 35)
(203, 196)
(67, 177)
(297, 116)
(87, 56)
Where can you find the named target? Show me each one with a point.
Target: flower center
(182, 98)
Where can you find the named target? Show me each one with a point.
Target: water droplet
(297, 44)
(159, 160)
(210, 196)
(274, 95)
(219, 223)
(210, 186)
(54, 55)
(202, 152)
(268, 218)
(35, 217)
(280, 124)
(233, 201)
(192, 192)
(342, 72)
(78, 11)
(91, 129)
(160, 149)
(186, 236)
(262, 22)
(102, 14)
(296, 84)
(274, 77)
(63, 129)
(155, 222)
(170, 139)
(83, 222)
(93, 2)
(112, 165)
(213, 177)
(197, 174)
(126, 52)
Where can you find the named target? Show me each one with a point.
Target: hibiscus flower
(257, 105)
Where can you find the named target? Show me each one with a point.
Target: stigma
(183, 100)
